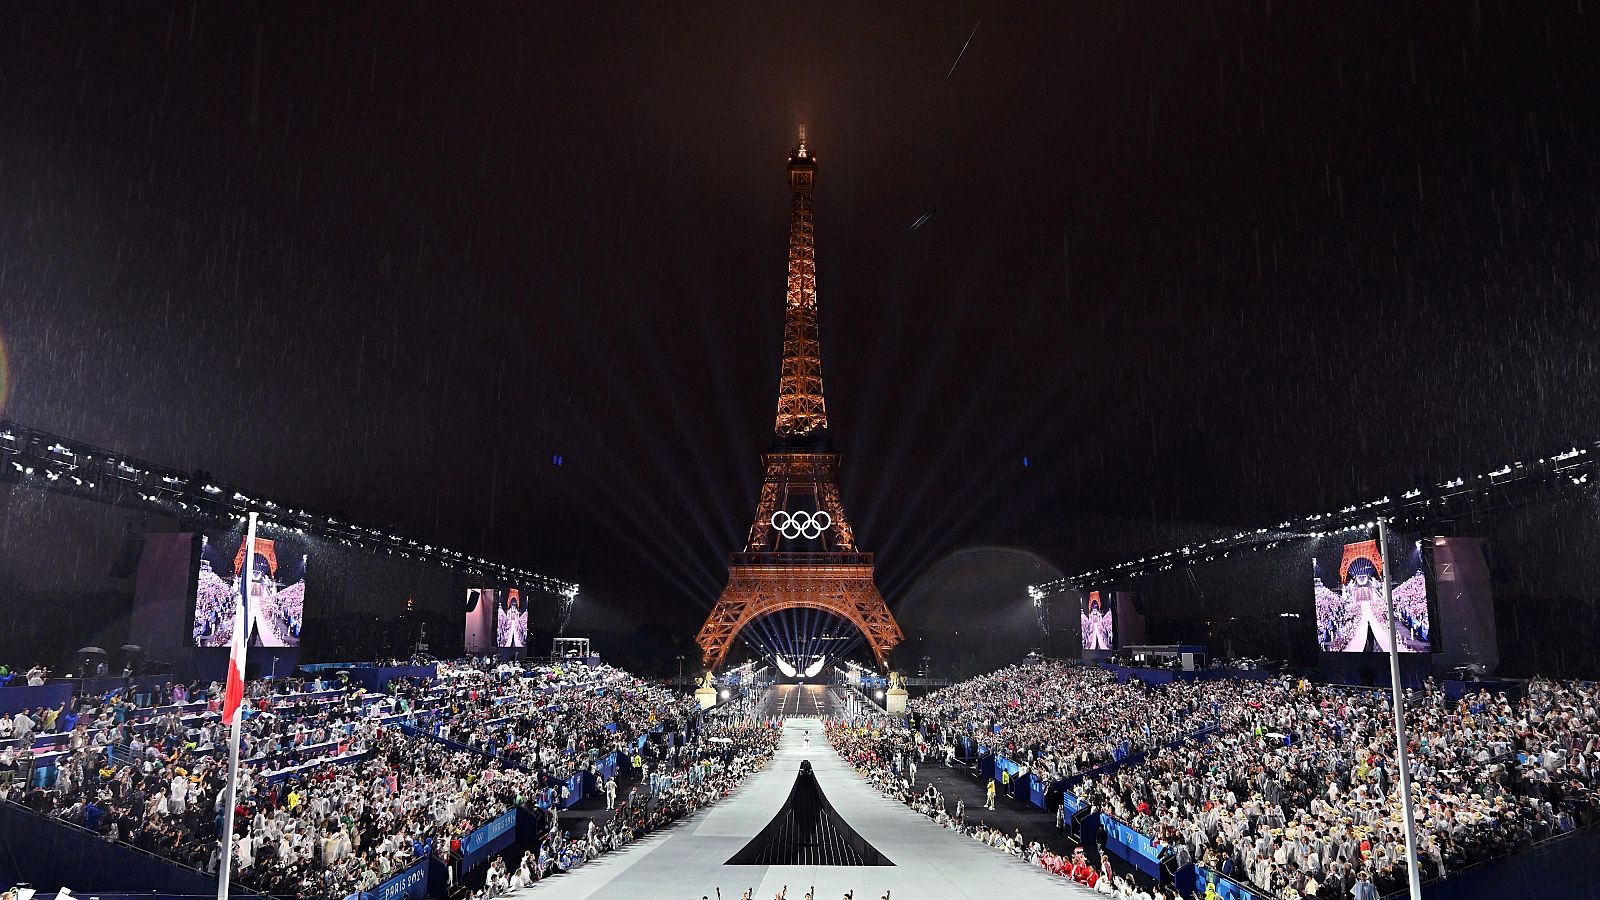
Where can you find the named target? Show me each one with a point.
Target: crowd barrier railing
(50, 696)
(410, 883)
(303, 768)
(482, 842)
(1158, 676)
(1193, 879)
(1132, 845)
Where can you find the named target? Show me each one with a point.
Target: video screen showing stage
(1096, 615)
(277, 593)
(511, 622)
(1351, 617)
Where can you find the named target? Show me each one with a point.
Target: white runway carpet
(685, 862)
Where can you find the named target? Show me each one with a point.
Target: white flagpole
(241, 632)
(1401, 756)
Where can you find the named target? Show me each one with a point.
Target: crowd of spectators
(216, 603)
(1287, 786)
(887, 754)
(1284, 785)
(1302, 797)
(335, 830)
(1062, 719)
(715, 757)
(558, 719)
(335, 796)
(31, 678)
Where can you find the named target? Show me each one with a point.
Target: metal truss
(50, 462)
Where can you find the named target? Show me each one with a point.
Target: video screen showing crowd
(1351, 614)
(277, 589)
(1097, 622)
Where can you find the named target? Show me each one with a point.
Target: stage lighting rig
(58, 464)
(1513, 483)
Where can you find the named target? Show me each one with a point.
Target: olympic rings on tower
(809, 525)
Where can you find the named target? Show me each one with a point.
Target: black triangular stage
(808, 832)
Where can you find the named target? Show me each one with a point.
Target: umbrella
(91, 651)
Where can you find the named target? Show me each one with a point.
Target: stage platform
(685, 862)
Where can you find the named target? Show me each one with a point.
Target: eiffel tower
(801, 552)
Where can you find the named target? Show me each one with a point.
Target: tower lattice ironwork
(801, 552)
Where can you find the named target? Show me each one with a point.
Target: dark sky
(1198, 264)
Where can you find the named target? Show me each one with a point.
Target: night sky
(1181, 266)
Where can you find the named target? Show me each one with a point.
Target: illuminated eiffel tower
(801, 553)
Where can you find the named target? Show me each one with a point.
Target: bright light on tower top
(800, 151)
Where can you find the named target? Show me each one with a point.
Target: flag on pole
(232, 700)
(233, 695)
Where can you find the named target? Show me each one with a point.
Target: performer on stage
(1363, 596)
(1096, 624)
(513, 625)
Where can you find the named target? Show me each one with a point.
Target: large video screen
(511, 623)
(277, 593)
(1351, 617)
(1097, 622)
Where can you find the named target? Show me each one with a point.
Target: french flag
(233, 694)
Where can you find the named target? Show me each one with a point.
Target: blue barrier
(1073, 804)
(1038, 791)
(484, 841)
(148, 895)
(1138, 850)
(50, 696)
(576, 785)
(1514, 690)
(376, 678)
(410, 884)
(104, 684)
(1148, 676)
(999, 768)
(1154, 676)
(1193, 878)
